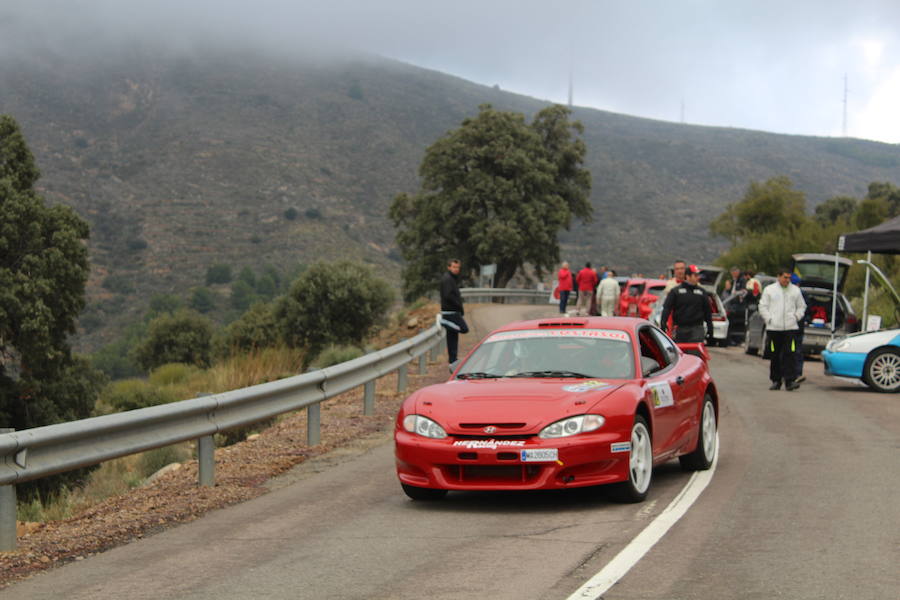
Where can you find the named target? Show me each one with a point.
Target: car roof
(647, 281)
(617, 323)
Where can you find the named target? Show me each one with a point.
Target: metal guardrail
(507, 294)
(34, 453)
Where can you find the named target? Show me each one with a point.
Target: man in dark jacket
(689, 307)
(452, 308)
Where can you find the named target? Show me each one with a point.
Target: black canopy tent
(881, 239)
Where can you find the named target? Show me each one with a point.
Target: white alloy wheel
(701, 458)
(882, 370)
(708, 430)
(641, 463)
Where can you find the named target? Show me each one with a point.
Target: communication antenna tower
(682, 110)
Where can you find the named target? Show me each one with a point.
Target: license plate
(540, 455)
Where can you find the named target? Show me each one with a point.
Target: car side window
(668, 346)
(651, 351)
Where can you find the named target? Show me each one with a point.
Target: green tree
(834, 209)
(161, 304)
(887, 192)
(771, 206)
(203, 300)
(218, 273)
(242, 295)
(43, 270)
(256, 328)
(182, 337)
(332, 303)
(497, 190)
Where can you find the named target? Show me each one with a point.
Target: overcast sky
(771, 65)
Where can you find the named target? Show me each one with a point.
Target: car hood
(865, 341)
(512, 406)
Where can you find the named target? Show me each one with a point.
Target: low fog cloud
(760, 64)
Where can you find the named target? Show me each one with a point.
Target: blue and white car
(873, 357)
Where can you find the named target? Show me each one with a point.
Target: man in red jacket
(587, 281)
(564, 286)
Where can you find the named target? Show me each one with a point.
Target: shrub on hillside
(203, 299)
(218, 273)
(256, 328)
(182, 337)
(242, 295)
(161, 304)
(332, 303)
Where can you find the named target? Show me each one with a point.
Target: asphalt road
(803, 504)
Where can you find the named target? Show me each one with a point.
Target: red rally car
(559, 403)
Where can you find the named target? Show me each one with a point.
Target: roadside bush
(332, 303)
(154, 460)
(334, 355)
(130, 394)
(172, 374)
(183, 337)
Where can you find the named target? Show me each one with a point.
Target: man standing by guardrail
(452, 308)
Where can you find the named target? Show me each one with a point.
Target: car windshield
(568, 353)
(819, 272)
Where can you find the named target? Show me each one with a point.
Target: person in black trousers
(452, 308)
(689, 306)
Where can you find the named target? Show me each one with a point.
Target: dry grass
(182, 382)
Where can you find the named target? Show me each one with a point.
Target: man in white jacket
(782, 307)
(608, 293)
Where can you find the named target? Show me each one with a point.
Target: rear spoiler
(695, 348)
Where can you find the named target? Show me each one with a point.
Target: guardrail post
(312, 424)
(206, 459)
(401, 378)
(434, 351)
(7, 512)
(369, 398)
(423, 367)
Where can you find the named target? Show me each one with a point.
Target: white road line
(609, 575)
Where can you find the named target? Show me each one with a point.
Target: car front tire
(882, 370)
(640, 465)
(425, 494)
(702, 457)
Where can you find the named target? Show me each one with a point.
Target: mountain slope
(183, 160)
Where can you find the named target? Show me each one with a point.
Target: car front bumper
(844, 364)
(484, 464)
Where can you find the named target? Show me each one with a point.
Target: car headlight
(572, 426)
(423, 426)
(838, 345)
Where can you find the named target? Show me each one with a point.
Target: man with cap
(689, 306)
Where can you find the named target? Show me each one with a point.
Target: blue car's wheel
(882, 370)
